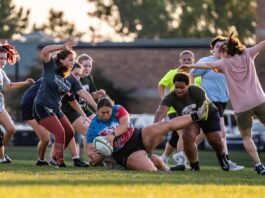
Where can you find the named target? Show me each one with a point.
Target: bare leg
(250, 145)
(153, 135)
(139, 160)
(7, 123)
(200, 138)
(189, 137)
(43, 135)
(223, 134)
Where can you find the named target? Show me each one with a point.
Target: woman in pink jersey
(246, 94)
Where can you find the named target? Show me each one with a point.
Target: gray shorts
(244, 119)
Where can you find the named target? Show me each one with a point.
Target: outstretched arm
(16, 85)
(46, 51)
(209, 65)
(94, 157)
(87, 97)
(160, 113)
(257, 48)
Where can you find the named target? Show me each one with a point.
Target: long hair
(61, 55)
(12, 54)
(232, 45)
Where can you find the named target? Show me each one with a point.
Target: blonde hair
(83, 57)
(186, 52)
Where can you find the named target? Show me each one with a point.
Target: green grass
(23, 179)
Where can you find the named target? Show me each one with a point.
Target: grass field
(24, 180)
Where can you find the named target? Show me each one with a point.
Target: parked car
(233, 138)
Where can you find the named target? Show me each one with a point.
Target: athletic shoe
(178, 168)
(42, 163)
(180, 158)
(52, 161)
(260, 169)
(234, 167)
(8, 159)
(63, 165)
(79, 163)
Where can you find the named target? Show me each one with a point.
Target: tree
(58, 27)
(12, 21)
(177, 18)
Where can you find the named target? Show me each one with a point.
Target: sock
(58, 149)
(164, 158)
(75, 157)
(195, 166)
(41, 160)
(3, 160)
(258, 164)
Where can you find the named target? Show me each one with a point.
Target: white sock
(75, 157)
(259, 163)
(164, 157)
(3, 160)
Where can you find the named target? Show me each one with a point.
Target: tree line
(142, 19)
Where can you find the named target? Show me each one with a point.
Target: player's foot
(42, 163)
(234, 167)
(260, 169)
(79, 163)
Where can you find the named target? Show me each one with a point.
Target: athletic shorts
(221, 107)
(72, 116)
(135, 143)
(244, 119)
(41, 111)
(26, 111)
(212, 124)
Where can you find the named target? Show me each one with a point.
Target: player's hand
(29, 81)
(68, 45)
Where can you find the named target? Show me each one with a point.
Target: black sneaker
(63, 165)
(260, 169)
(8, 159)
(180, 167)
(42, 163)
(79, 163)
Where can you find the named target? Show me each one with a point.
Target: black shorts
(72, 116)
(26, 111)
(135, 143)
(212, 124)
(221, 107)
(41, 111)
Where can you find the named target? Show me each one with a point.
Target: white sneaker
(180, 158)
(234, 167)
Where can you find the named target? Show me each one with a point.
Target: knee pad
(1, 137)
(174, 139)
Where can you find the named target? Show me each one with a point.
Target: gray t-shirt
(4, 80)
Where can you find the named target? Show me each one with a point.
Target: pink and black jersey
(102, 128)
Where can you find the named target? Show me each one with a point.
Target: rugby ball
(102, 145)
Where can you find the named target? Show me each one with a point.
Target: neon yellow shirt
(167, 82)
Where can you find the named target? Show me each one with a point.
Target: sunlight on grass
(134, 191)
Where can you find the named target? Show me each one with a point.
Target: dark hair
(12, 54)
(217, 39)
(61, 55)
(182, 77)
(77, 66)
(232, 45)
(104, 101)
